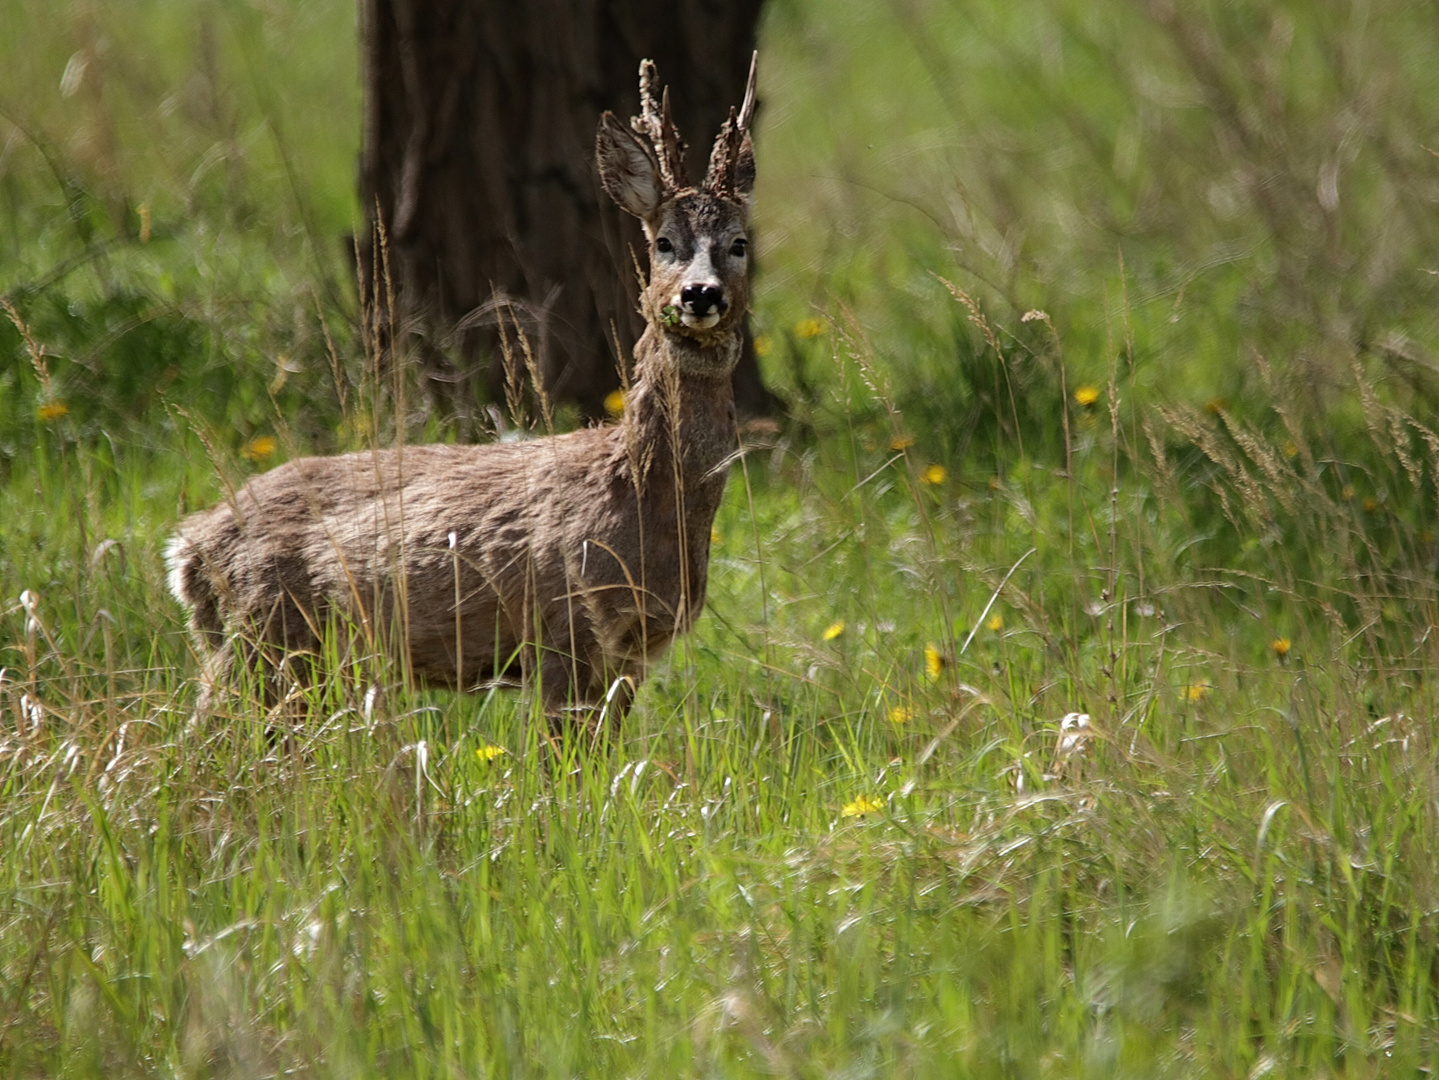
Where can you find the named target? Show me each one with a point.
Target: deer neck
(682, 396)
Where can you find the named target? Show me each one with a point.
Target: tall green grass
(1103, 405)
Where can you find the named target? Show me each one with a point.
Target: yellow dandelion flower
(763, 345)
(1086, 395)
(52, 410)
(1370, 504)
(615, 403)
(1346, 492)
(995, 623)
(1196, 691)
(833, 630)
(808, 328)
(1291, 448)
(258, 448)
(1280, 646)
(901, 714)
(933, 662)
(860, 805)
(935, 474)
(716, 537)
(490, 751)
(903, 441)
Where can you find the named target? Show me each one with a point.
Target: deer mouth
(707, 321)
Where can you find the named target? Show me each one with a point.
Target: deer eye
(663, 245)
(739, 248)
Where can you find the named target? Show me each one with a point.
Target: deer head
(699, 247)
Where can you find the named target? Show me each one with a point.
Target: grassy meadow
(1111, 335)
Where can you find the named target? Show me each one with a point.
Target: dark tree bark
(478, 155)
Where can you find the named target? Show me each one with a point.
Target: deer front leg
(577, 697)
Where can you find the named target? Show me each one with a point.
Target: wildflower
(901, 714)
(52, 410)
(258, 448)
(490, 751)
(716, 537)
(933, 662)
(833, 630)
(1346, 492)
(901, 441)
(1370, 504)
(861, 804)
(1291, 448)
(1196, 691)
(808, 328)
(935, 474)
(1086, 395)
(1280, 647)
(763, 345)
(615, 403)
(995, 623)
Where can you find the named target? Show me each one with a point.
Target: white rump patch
(177, 552)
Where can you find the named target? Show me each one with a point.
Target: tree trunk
(478, 155)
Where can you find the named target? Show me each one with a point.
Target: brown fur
(572, 560)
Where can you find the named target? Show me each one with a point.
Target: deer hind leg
(262, 665)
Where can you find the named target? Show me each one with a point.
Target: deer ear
(744, 167)
(628, 169)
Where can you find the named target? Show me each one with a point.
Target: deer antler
(731, 169)
(746, 111)
(658, 126)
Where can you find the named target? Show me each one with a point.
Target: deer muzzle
(701, 304)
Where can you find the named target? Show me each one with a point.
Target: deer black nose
(699, 299)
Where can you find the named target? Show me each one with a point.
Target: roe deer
(571, 560)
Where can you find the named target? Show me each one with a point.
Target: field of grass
(1111, 333)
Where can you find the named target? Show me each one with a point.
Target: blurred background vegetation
(1190, 185)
